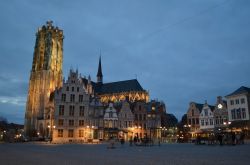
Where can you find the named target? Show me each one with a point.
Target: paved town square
(91, 154)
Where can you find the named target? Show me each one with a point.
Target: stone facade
(71, 116)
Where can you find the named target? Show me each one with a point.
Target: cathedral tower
(45, 77)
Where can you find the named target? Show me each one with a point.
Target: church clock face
(220, 106)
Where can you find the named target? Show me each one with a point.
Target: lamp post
(51, 128)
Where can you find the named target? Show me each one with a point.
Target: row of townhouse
(80, 117)
(224, 114)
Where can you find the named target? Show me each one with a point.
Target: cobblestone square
(95, 154)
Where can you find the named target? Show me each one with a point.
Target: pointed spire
(99, 73)
(89, 79)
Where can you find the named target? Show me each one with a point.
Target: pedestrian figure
(122, 142)
(159, 142)
(130, 141)
(233, 138)
(220, 139)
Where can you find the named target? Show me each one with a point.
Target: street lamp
(51, 131)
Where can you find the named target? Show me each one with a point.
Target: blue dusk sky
(179, 50)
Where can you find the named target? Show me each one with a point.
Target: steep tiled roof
(118, 87)
(199, 106)
(241, 90)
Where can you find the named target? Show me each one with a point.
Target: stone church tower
(45, 77)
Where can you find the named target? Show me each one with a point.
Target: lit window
(60, 133)
(81, 133)
(60, 122)
(71, 133)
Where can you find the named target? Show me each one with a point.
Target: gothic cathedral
(45, 77)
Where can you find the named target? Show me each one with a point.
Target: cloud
(19, 101)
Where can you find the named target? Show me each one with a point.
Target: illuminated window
(70, 133)
(81, 133)
(60, 133)
(60, 122)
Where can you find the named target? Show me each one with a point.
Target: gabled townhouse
(125, 121)
(220, 114)
(207, 118)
